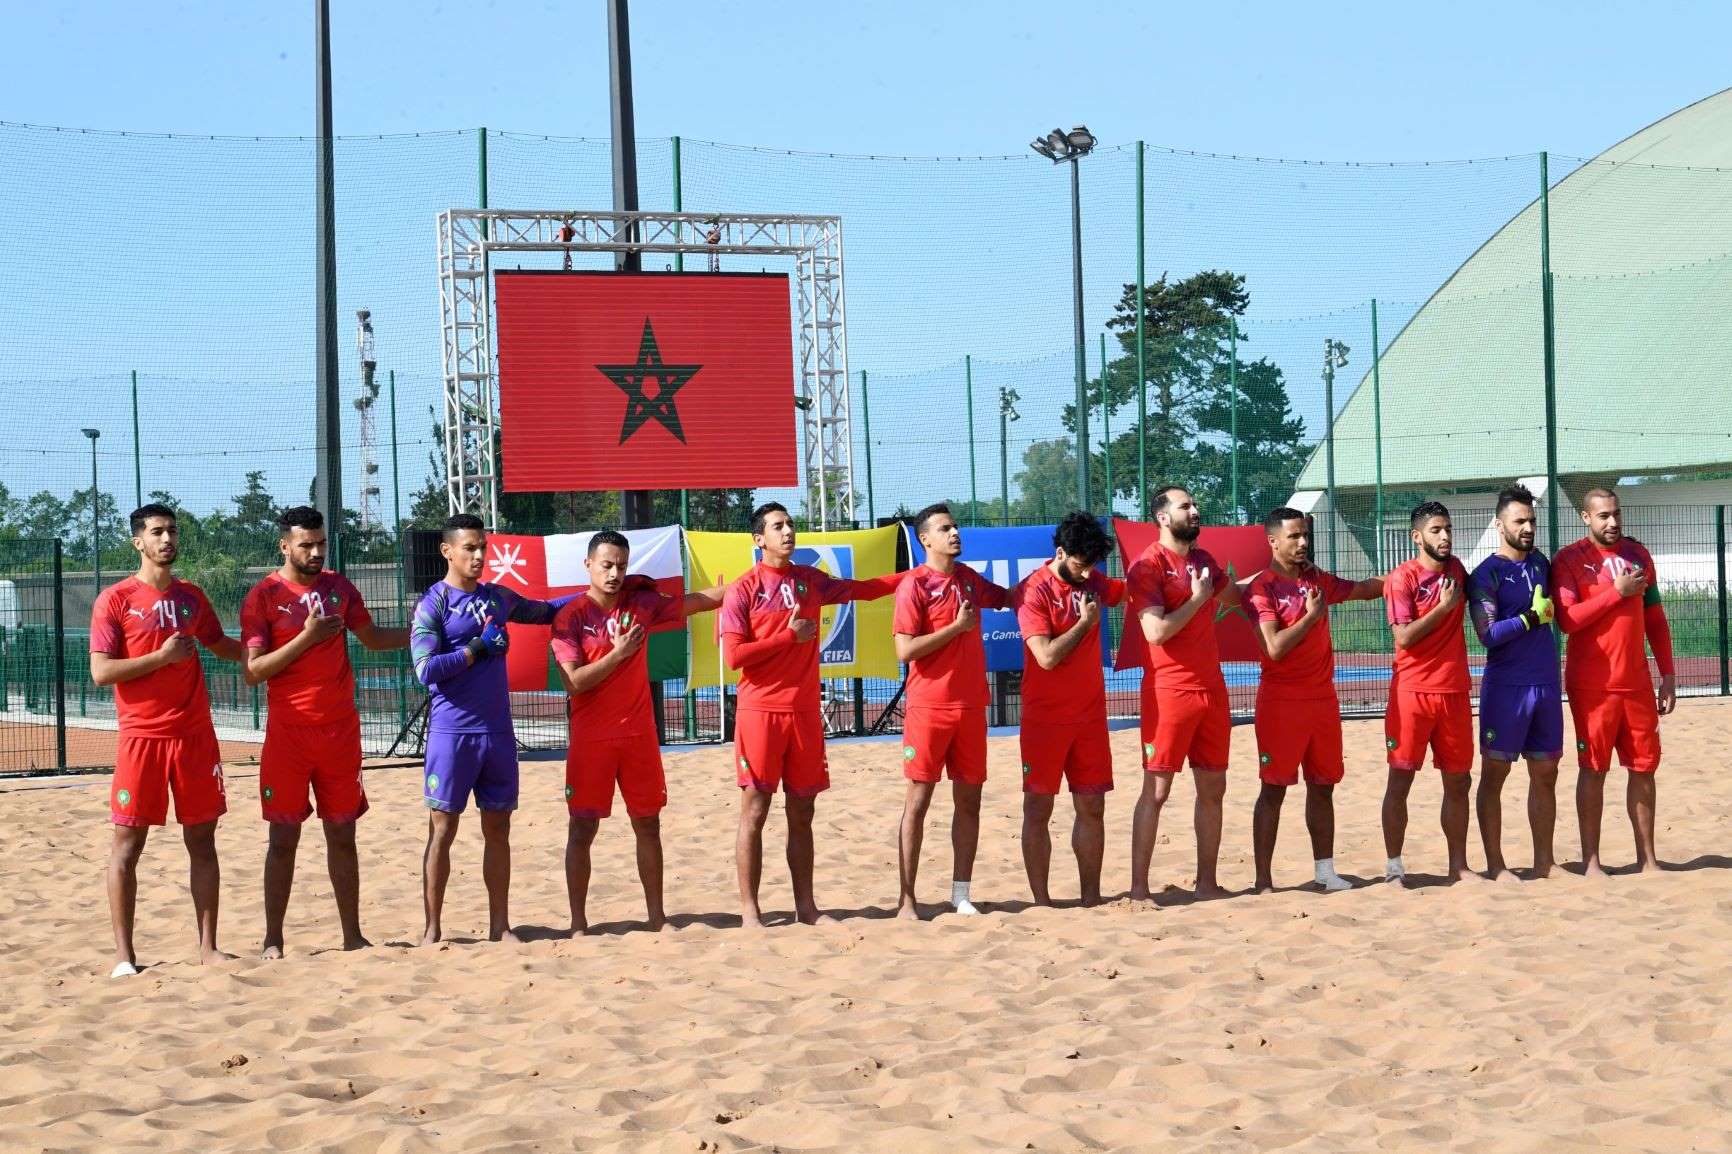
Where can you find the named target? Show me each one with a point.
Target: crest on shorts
(124, 797)
(1581, 747)
(1027, 769)
(568, 793)
(432, 781)
(269, 793)
(908, 753)
(1148, 749)
(1263, 759)
(1490, 736)
(1390, 743)
(744, 765)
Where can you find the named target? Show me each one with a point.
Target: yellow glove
(1541, 607)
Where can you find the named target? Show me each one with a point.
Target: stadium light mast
(1334, 357)
(1007, 399)
(95, 521)
(371, 518)
(328, 405)
(634, 504)
(1060, 147)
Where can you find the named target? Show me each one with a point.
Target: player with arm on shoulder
(1608, 606)
(937, 634)
(600, 642)
(1298, 720)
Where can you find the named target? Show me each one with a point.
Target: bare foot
(908, 912)
(655, 923)
(1465, 875)
(1141, 894)
(1592, 871)
(1506, 876)
(1090, 901)
(357, 943)
(815, 918)
(1209, 892)
(579, 927)
(1652, 867)
(751, 919)
(272, 952)
(1397, 880)
(1545, 872)
(1264, 886)
(431, 936)
(214, 957)
(507, 934)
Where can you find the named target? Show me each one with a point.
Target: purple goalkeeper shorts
(1518, 721)
(461, 763)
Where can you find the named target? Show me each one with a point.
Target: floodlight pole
(1082, 371)
(634, 504)
(328, 407)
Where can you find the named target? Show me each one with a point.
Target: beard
(1440, 558)
(1187, 533)
(1516, 541)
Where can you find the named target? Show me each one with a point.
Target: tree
(11, 512)
(1046, 487)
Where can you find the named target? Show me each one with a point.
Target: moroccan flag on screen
(645, 380)
(1243, 549)
(543, 567)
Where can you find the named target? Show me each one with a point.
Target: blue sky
(190, 262)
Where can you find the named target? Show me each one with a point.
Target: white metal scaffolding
(469, 237)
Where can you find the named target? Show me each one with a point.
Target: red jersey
(131, 619)
(1437, 663)
(759, 606)
(954, 676)
(1190, 659)
(1307, 672)
(1609, 654)
(318, 687)
(584, 632)
(1076, 690)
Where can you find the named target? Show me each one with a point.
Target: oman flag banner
(543, 567)
(1242, 549)
(611, 380)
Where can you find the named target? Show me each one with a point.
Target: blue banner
(1004, 557)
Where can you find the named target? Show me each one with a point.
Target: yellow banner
(854, 637)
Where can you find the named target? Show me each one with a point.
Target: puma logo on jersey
(138, 613)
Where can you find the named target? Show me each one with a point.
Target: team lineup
(1600, 592)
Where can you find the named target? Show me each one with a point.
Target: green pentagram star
(645, 402)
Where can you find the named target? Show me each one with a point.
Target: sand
(1545, 1016)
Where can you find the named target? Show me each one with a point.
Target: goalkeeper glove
(493, 641)
(1539, 612)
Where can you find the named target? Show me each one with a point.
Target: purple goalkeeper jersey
(1500, 591)
(466, 698)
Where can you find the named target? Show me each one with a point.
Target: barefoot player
(937, 632)
(1429, 688)
(1521, 704)
(459, 642)
(769, 627)
(1608, 605)
(293, 626)
(1064, 702)
(1298, 714)
(599, 642)
(1174, 588)
(144, 637)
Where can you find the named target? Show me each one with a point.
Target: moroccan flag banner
(1243, 549)
(543, 567)
(854, 638)
(614, 380)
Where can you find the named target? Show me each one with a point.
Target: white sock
(1328, 878)
(123, 970)
(959, 898)
(1395, 869)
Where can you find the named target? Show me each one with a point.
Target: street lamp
(1007, 399)
(95, 520)
(1060, 146)
(1334, 357)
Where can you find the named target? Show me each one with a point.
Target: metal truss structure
(468, 238)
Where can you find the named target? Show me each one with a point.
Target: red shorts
(1625, 723)
(1079, 754)
(781, 749)
(1296, 733)
(937, 739)
(1185, 724)
(148, 769)
(1444, 721)
(325, 757)
(635, 762)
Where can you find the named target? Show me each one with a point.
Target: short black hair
(1512, 495)
(1280, 515)
(299, 517)
(1163, 497)
(928, 513)
(608, 537)
(1425, 511)
(1082, 537)
(762, 514)
(461, 523)
(145, 512)
(1598, 491)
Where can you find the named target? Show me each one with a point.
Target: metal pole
(1106, 427)
(95, 530)
(1549, 335)
(328, 479)
(1142, 374)
(866, 413)
(137, 458)
(1004, 460)
(1720, 577)
(1377, 434)
(1082, 409)
(1329, 442)
(60, 656)
(635, 503)
(396, 484)
(481, 170)
(973, 490)
(1233, 407)
(679, 206)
